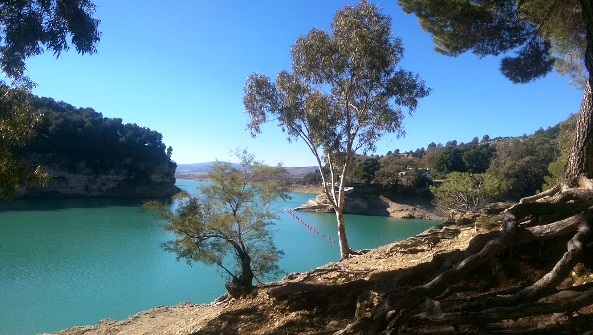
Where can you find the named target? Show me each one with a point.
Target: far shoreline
(295, 188)
(404, 207)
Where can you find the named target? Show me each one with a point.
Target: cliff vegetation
(88, 155)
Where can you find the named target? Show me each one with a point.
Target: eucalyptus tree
(28, 28)
(344, 92)
(533, 37)
(230, 221)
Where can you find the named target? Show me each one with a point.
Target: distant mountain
(301, 170)
(195, 167)
(200, 170)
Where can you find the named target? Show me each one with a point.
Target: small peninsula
(88, 155)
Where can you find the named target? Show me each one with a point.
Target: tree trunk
(342, 240)
(246, 277)
(243, 284)
(580, 159)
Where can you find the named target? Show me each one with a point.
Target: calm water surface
(74, 262)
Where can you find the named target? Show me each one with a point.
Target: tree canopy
(539, 33)
(467, 191)
(28, 28)
(344, 92)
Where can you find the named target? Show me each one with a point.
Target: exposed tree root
(565, 215)
(545, 238)
(569, 302)
(548, 193)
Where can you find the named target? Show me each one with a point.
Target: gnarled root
(431, 304)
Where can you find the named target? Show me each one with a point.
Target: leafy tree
(562, 142)
(522, 164)
(27, 28)
(555, 169)
(476, 158)
(344, 93)
(447, 160)
(230, 221)
(401, 174)
(389, 168)
(365, 169)
(16, 119)
(419, 153)
(467, 191)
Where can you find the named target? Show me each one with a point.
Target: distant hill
(195, 167)
(200, 170)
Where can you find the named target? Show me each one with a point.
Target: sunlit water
(74, 262)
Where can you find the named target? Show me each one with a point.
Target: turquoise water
(74, 262)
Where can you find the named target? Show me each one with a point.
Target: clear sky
(179, 67)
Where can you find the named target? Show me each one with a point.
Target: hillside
(88, 155)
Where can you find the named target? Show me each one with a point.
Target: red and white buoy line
(311, 228)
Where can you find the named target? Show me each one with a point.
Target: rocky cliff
(88, 155)
(119, 182)
(374, 203)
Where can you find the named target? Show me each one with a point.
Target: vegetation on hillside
(16, 119)
(515, 167)
(67, 136)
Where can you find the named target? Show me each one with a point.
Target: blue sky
(179, 67)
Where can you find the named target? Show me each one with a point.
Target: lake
(72, 262)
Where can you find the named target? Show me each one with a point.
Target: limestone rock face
(461, 218)
(372, 204)
(80, 181)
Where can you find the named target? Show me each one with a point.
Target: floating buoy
(308, 226)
